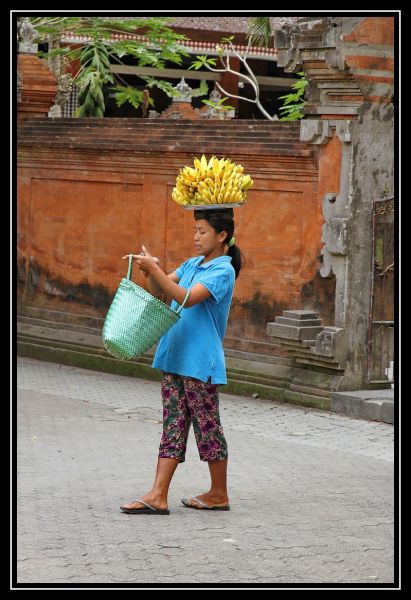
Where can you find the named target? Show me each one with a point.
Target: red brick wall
(373, 34)
(39, 87)
(86, 199)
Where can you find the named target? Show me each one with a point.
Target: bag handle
(184, 301)
(129, 272)
(130, 267)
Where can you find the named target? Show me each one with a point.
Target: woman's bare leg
(217, 494)
(158, 494)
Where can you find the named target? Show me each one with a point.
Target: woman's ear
(223, 236)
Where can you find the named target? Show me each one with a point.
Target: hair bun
(218, 213)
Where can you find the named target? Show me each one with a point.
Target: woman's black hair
(223, 220)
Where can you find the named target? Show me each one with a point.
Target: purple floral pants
(187, 400)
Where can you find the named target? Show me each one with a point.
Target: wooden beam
(275, 82)
(171, 73)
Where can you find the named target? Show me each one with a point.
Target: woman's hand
(145, 261)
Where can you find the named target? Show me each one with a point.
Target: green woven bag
(136, 320)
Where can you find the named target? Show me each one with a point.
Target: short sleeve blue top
(193, 347)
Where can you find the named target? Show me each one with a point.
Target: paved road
(311, 491)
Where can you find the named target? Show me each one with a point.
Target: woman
(191, 358)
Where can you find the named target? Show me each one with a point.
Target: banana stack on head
(211, 182)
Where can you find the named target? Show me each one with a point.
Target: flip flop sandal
(204, 506)
(148, 510)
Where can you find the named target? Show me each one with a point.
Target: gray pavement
(311, 491)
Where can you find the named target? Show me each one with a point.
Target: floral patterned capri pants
(187, 400)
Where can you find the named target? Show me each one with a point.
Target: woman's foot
(154, 501)
(207, 501)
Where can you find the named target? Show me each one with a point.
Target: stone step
(300, 314)
(172, 123)
(252, 356)
(62, 319)
(162, 134)
(298, 322)
(25, 323)
(235, 384)
(90, 357)
(139, 140)
(374, 405)
(308, 343)
(291, 332)
(245, 367)
(191, 148)
(245, 377)
(157, 132)
(91, 339)
(183, 147)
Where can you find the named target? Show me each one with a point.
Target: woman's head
(216, 227)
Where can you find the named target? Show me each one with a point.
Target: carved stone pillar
(38, 88)
(347, 61)
(349, 65)
(336, 209)
(64, 89)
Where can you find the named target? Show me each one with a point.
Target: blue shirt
(193, 347)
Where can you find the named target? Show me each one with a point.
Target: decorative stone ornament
(19, 86)
(64, 88)
(26, 34)
(185, 91)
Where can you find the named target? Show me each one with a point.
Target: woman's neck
(215, 254)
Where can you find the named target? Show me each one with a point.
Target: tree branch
(233, 95)
(252, 79)
(241, 75)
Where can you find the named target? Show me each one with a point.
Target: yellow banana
(216, 166)
(213, 181)
(247, 182)
(204, 163)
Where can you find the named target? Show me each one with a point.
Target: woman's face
(206, 239)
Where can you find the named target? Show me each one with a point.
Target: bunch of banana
(211, 182)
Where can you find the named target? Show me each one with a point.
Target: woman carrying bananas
(191, 358)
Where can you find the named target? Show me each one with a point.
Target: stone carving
(315, 131)
(309, 37)
(185, 91)
(343, 130)
(336, 210)
(215, 96)
(320, 131)
(19, 86)
(64, 88)
(335, 235)
(326, 341)
(55, 111)
(26, 34)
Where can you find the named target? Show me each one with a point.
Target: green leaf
(127, 94)
(259, 31)
(202, 61)
(294, 102)
(200, 91)
(161, 46)
(219, 104)
(165, 86)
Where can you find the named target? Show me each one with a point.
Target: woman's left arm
(198, 292)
